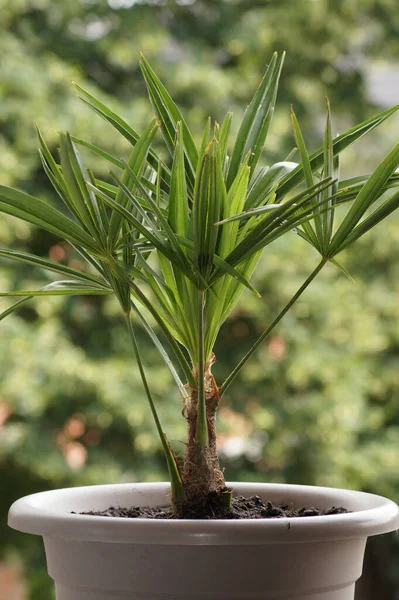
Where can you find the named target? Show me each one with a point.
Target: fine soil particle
(241, 508)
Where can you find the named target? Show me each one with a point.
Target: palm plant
(192, 232)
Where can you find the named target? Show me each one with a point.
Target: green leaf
(117, 122)
(14, 307)
(209, 197)
(63, 288)
(233, 294)
(98, 151)
(314, 236)
(305, 162)
(178, 199)
(54, 173)
(135, 165)
(291, 154)
(49, 265)
(247, 214)
(201, 154)
(266, 181)
(329, 170)
(370, 191)
(234, 204)
(145, 301)
(259, 236)
(292, 222)
(161, 349)
(35, 211)
(293, 204)
(224, 268)
(342, 268)
(75, 198)
(347, 191)
(340, 143)
(228, 269)
(184, 264)
(371, 221)
(75, 176)
(150, 234)
(224, 138)
(254, 126)
(51, 164)
(99, 208)
(169, 115)
(152, 277)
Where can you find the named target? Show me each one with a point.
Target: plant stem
(201, 433)
(264, 335)
(175, 478)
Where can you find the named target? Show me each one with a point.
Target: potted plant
(180, 241)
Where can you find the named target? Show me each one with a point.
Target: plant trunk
(202, 475)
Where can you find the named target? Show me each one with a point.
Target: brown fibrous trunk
(202, 475)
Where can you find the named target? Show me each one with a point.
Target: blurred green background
(319, 402)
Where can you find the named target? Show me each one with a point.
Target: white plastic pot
(99, 558)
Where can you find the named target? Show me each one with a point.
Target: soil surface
(241, 508)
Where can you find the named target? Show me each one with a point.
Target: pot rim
(49, 514)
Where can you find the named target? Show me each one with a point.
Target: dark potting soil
(241, 508)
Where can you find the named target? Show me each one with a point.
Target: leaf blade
(40, 213)
(369, 192)
(62, 288)
(49, 265)
(254, 126)
(169, 115)
(339, 144)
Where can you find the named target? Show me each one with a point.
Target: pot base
(301, 571)
(95, 558)
(66, 593)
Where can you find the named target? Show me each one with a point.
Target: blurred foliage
(319, 403)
